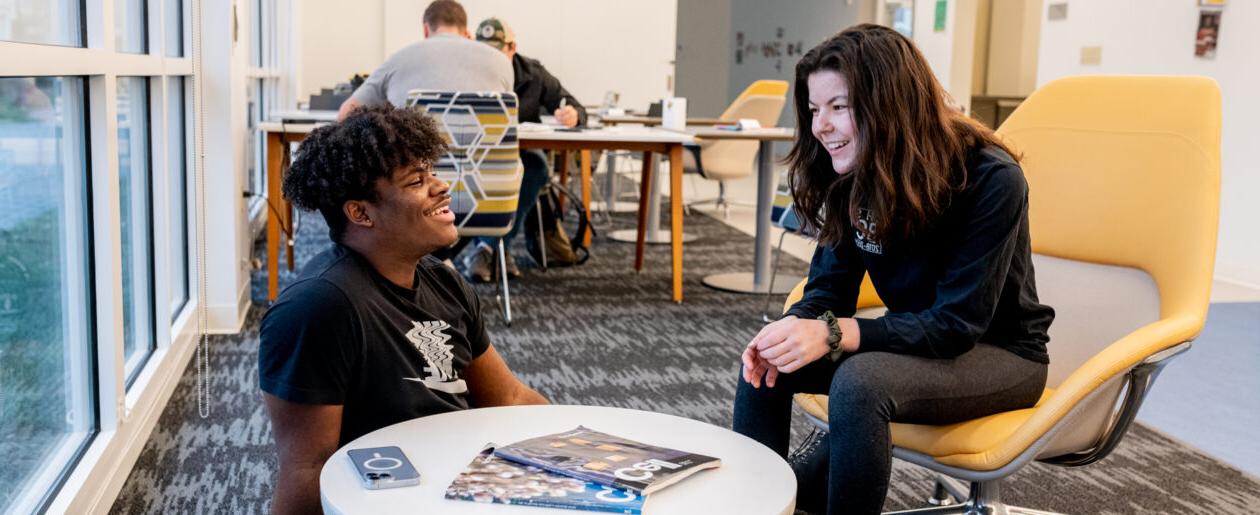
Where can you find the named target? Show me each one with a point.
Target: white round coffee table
(751, 480)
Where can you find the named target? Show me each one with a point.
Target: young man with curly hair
(375, 331)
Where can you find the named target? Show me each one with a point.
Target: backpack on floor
(559, 248)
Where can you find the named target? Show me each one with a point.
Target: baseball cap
(495, 32)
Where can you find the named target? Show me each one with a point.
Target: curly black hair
(342, 161)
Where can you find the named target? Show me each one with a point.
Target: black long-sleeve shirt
(967, 278)
(537, 89)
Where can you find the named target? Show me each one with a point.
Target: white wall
(337, 41)
(950, 52)
(1143, 37)
(1014, 40)
(807, 22)
(704, 58)
(592, 46)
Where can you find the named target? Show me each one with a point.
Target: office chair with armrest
(1123, 215)
(725, 160)
(482, 164)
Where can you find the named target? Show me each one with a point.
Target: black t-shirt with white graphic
(344, 334)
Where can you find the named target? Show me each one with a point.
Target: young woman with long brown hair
(935, 208)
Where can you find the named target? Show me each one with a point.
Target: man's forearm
(526, 395)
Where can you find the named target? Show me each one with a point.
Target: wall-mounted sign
(1057, 11)
(1209, 31)
(938, 21)
(776, 49)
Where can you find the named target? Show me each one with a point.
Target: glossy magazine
(601, 458)
(490, 479)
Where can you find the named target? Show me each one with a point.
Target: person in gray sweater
(447, 59)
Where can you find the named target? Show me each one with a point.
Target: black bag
(560, 249)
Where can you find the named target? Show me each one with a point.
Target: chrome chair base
(504, 297)
(981, 499)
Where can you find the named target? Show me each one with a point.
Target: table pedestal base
(742, 282)
(657, 237)
(620, 206)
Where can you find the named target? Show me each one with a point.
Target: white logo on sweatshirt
(429, 339)
(866, 226)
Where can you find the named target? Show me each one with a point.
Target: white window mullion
(107, 241)
(159, 188)
(49, 60)
(176, 66)
(190, 189)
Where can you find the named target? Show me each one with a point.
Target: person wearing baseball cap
(536, 89)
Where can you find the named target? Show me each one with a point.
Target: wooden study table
(279, 136)
(639, 139)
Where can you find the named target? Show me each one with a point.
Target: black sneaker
(809, 463)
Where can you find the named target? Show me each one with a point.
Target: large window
(134, 212)
(53, 22)
(177, 192)
(47, 408)
(98, 303)
(131, 33)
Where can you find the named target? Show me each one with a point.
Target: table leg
(655, 233)
(610, 189)
(676, 215)
(640, 240)
(562, 157)
(274, 159)
(765, 203)
(759, 280)
(585, 157)
(287, 209)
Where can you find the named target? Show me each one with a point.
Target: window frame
(119, 405)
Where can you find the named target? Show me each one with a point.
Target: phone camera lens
(386, 475)
(373, 475)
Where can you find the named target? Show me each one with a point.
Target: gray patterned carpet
(600, 334)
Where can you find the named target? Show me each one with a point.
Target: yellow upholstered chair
(1123, 218)
(482, 164)
(724, 160)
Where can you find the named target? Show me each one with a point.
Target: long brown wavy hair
(911, 146)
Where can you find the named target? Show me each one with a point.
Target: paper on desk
(534, 127)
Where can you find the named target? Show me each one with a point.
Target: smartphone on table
(383, 467)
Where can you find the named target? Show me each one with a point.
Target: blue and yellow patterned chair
(482, 164)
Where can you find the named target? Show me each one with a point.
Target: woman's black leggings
(870, 389)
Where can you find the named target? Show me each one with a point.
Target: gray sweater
(442, 62)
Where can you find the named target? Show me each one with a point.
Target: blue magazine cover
(608, 460)
(490, 479)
